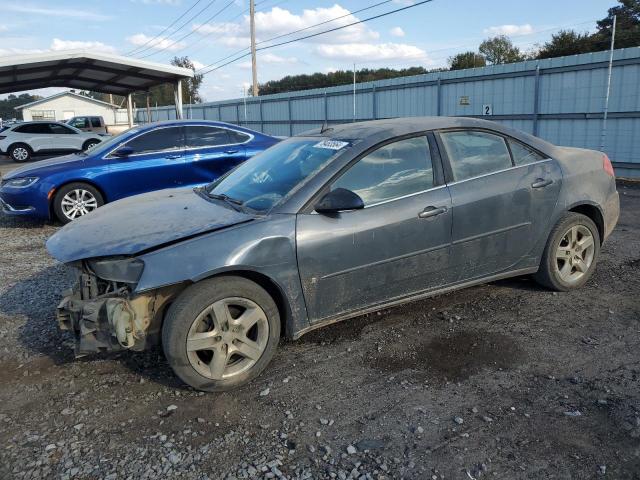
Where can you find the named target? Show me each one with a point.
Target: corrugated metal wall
(558, 99)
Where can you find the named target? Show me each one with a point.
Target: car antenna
(325, 127)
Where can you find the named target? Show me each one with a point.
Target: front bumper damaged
(109, 322)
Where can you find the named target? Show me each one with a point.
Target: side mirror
(339, 200)
(123, 152)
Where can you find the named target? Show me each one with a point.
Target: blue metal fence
(559, 99)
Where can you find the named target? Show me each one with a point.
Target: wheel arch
(20, 143)
(593, 212)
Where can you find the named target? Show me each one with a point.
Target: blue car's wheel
(75, 200)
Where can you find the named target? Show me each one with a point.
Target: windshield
(261, 182)
(114, 141)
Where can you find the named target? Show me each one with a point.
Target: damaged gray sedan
(324, 226)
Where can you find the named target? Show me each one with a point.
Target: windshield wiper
(234, 202)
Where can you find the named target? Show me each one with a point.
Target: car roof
(377, 130)
(213, 123)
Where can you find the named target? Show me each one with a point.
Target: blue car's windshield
(114, 141)
(261, 182)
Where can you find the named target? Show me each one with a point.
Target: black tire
(548, 274)
(60, 194)
(90, 143)
(190, 304)
(17, 151)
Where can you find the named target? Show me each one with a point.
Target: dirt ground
(505, 380)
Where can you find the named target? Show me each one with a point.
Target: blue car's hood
(36, 167)
(137, 223)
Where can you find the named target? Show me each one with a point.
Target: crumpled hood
(35, 167)
(137, 223)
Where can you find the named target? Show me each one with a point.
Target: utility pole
(606, 97)
(354, 92)
(254, 68)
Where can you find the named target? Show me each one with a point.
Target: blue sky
(425, 35)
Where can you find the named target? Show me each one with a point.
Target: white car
(23, 140)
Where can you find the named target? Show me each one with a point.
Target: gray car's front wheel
(571, 253)
(221, 333)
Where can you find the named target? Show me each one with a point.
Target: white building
(62, 106)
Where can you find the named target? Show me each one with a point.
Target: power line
(202, 37)
(319, 33)
(167, 28)
(188, 34)
(180, 27)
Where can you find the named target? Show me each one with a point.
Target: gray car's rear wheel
(20, 152)
(571, 253)
(221, 333)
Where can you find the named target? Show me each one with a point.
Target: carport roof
(85, 70)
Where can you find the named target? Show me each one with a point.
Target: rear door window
(475, 153)
(95, 122)
(160, 140)
(238, 137)
(522, 155)
(200, 136)
(32, 128)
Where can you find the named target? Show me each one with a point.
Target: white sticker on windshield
(331, 144)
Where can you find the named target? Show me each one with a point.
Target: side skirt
(413, 298)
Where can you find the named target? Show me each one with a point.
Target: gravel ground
(505, 380)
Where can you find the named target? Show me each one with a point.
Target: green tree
(627, 26)
(163, 94)
(7, 105)
(292, 83)
(500, 49)
(566, 42)
(466, 60)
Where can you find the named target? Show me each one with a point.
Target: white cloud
(369, 51)
(279, 21)
(55, 12)
(4, 28)
(397, 32)
(140, 39)
(57, 45)
(509, 29)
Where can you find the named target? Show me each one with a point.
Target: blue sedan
(142, 159)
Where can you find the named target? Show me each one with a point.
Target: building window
(43, 114)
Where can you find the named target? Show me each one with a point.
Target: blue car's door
(157, 162)
(211, 152)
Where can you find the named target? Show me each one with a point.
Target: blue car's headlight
(23, 182)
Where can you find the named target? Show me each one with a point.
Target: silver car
(23, 140)
(325, 226)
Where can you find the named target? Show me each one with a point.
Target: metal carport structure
(99, 72)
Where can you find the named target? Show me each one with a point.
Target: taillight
(606, 165)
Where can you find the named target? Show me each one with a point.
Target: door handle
(172, 157)
(432, 212)
(541, 183)
(231, 151)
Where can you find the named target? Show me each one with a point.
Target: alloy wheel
(77, 203)
(227, 338)
(20, 153)
(575, 253)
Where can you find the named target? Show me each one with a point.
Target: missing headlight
(123, 270)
